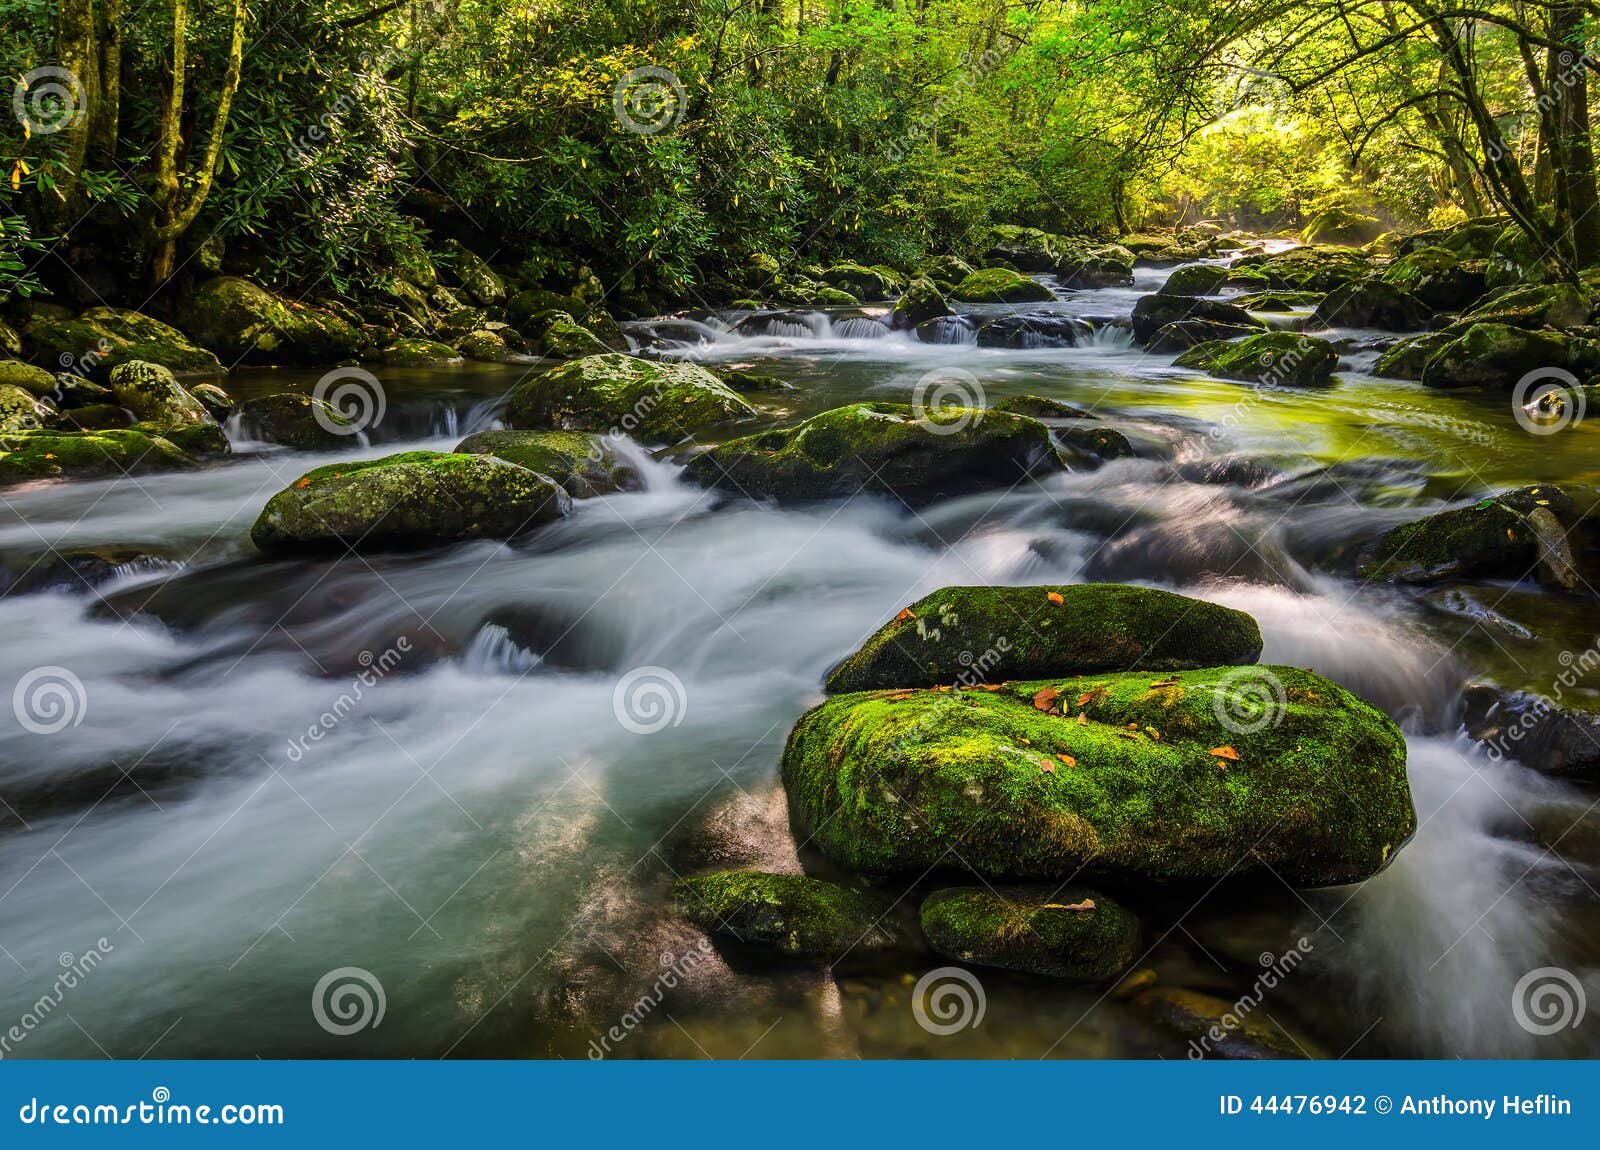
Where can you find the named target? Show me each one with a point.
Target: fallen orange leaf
(1047, 766)
(1054, 597)
(1067, 760)
(1045, 698)
(1226, 753)
(905, 614)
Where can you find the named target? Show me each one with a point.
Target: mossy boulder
(1177, 777)
(1371, 302)
(526, 305)
(1277, 301)
(1281, 358)
(152, 393)
(1195, 280)
(1532, 306)
(999, 285)
(1341, 226)
(1563, 741)
(299, 421)
(1187, 333)
(882, 449)
(1153, 312)
(563, 338)
(86, 455)
(36, 381)
(1516, 259)
(1065, 932)
(1029, 330)
(860, 281)
(213, 398)
(585, 465)
(1406, 358)
(21, 410)
(239, 319)
(920, 302)
(1219, 1029)
(831, 297)
(405, 501)
(1498, 355)
(1438, 277)
(477, 279)
(947, 270)
(419, 353)
(1087, 264)
(1508, 536)
(484, 346)
(1320, 267)
(789, 915)
(998, 633)
(656, 402)
(103, 337)
(1023, 248)
(1040, 407)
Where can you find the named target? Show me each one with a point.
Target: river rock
(1039, 329)
(20, 410)
(1536, 731)
(1187, 333)
(103, 337)
(1281, 358)
(1511, 535)
(36, 381)
(996, 633)
(1277, 301)
(999, 285)
(86, 455)
(882, 448)
(1406, 358)
(1531, 306)
(1040, 407)
(1371, 303)
(483, 346)
(860, 282)
(585, 465)
(214, 399)
(1320, 267)
(1153, 312)
(413, 499)
(1088, 264)
(1498, 355)
(1190, 776)
(299, 421)
(921, 302)
(78, 569)
(162, 407)
(1220, 1029)
(1064, 932)
(1195, 280)
(239, 319)
(1438, 277)
(562, 338)
(790, 916)
(946, 271)
(658, 402)
(477, 279)
(1026, 249)
(419, 353)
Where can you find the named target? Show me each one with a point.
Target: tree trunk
(1571, 145)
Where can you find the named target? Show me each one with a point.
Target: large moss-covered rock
(1088, 264)
(1283, 358)
(1153, 312)
(419, 353)
(483, 346)
(1532, 306)
(414, 499)
(1511, 535)
(1317, 268)
(1516, 259)
(103, 337)
(36, 381)
(563, 338)
(239, 319)
(1341, 226)
(1065, 932)
(152, 393)
(585, 465)
(1195, 280)
(21, 410)
(882, 448)
(300, 421)
(1310, 781)
(921, 301)
(861, 282)
(790, 915)
(1371, 303)
(1438, 277)
(997, 633)
(1498, 355)
(1406, 358)
(1187, 333)
(86, 455)
(656, 402)
(477, 279)
(1000, 285)
(1027, 249)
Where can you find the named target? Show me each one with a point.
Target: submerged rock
(1196, 775)
(86, 455)
(1218, 1029)
(657, 402)
(990, 634)
(882, 448)
(1064, 932)
(790, 915)
(1153, 312)
(1536, 731)
(585, 465)
(1507, 536)
(413, 499)
(1187, 333)
(240, 319)
(1000, 285)
(294, 420)
(1498, 355)
(1282, 358)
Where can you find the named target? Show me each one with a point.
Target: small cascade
(494, 652)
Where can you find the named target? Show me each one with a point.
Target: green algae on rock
(1000, 285)
(882, 448)
(295, 420)
(1310, 787)
(1064, 932)
(584, 464)
(1276, 357)
(1497, 354)
(34, 380)
(790, 915)
(103, 337)
(20, 410)
(410, 500)
(994, 633)
(240, 319)
(29, 455)
(1510, 535)
(1195, 280)
(656, 402)
(1153, 312)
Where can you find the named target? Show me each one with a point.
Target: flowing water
(415, 765)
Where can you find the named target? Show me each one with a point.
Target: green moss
(296, 421)
(20, 410)
(1532, 306)
(86, 454)
(1318, 267)
(581, 463)
(987, 634)
(921, 302)
(1196, 279)
(1040, 407)
(789, 915)
(835, 297)
(1371, 302)
(242, 320)
(1490, 539)
(1065, 932)
(419, 353)
(1276, 301)
(34, 380)
(151, 393)
(656, 402)
(903, 781)
(483, 346)
(1407, 358)
(1282, 358)
(882, 448)
(1498, 355)
(1087, 263)
(564, 339)
(859, 281)
(413, 499)
(1153, 312)
(1438, 277)
(999, 285)
(103, 337)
